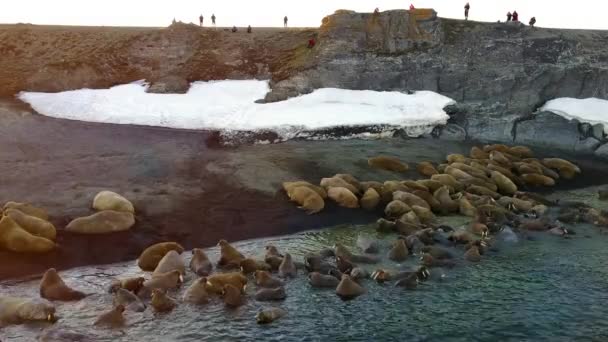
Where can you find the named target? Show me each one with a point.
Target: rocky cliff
(499, 73)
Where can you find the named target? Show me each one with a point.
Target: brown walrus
(264, 279)
(165, 281)
(113, 318)
(161, 302)
(472, 254)
(289, 186)
(396, 209)
(32, 224)
(27, 209)
(16, 239)
(200, 264)
(128, 300)
(52, 287)
(287, 269)
(232, 296)
(317, 279)
(270, 315)
(216, 282)
(343, 197)
(129, 284)
(399, 252)
(426, 169)
(370, 199)
(151, 256)
(267, 294)
(348, 288)
(249, 266)
(307, 198)
(230, 257)
(172, 261)
(197, 292)
(387, 163)
(14, 310)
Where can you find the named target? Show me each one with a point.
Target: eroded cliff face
(499, 73)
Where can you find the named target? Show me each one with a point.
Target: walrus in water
(357, 274)
(428, 261)
(232, 296)
(200, 264)
(399, 252)
(370, 199)
(197, 292)
(249, 266)
(287, 269)
(319, 280)
(161, 302)
(341, 250)
(426, 169)
(230, 257)
(348, 288)
(270, 315)
(472, 254)
(344, 265)
(151, 256)
(268, 294)
(15, 310)
(112, 319)
(52, 287)
(264, 279)
(216, 282)
(128, 300)
(368, 245)
(387, 163)
(409, 283)
(172, 261)
(165, 281)
(437, 252)
(130, 284)
(316, 263)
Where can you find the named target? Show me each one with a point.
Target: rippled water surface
(541, 288)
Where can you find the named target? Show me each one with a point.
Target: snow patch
(591, 110)
(229, 106)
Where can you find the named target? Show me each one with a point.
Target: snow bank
(230, 106)
(591, 110)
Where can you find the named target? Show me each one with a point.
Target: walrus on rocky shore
(387, 163)
(395, 209)
(103, 222)
(350, 179)
(307, 199)
(112, 319)
(268, 294)
(27, 209)
(481, 191)
(151, 256)
(248, 266)
(128, 300)
(505, 185)
(14, 310)
(477, 153)
(230, 257)
(479, 182)
(455, 158)
(514, 203)
(287, 269)
(270, 315)
(534, 179)
(172, 261)
(475, 172)
(399, 251)
(425, 215)
(108, 200)
(432, 185)
(457, 173)
(200, 263)
(130, 284)
(448, 205)
(371, 185)
(449, 181)
(370, 199)
(466, 208)
(289, 186)
(343, 197)
(32, 224)
(334, 182)
(521, 151)
(348, 288)
(264, 279)
(561, 165)
(410, 199)
(232, 296)
(426, 169)
(410, 217)
(52, 287)
(216, 282)
(164, 281)
(197, 292)
(385, 226)
(427, 196)
(16, 239)
(161, 302)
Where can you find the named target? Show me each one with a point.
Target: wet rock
(597, 131)
(602, 152)
(169, 85)
(543, 129)
(490, 128)
(586, 146)
(452, 132)
(103, 222)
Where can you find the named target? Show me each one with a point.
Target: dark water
(540, 288)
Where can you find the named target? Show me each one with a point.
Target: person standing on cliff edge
(213, 19)
(200, 20)
(532, 21)
(515, 16)
(509, 16)
(285, 21)
(412, 7)
(467, 7)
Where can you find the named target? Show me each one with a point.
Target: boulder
(602, 152)
(108, 200)
(597, 131)
(452, 132)
(549, 130)
(586, 146)
(103, 222)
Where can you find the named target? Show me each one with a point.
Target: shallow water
(540, 288)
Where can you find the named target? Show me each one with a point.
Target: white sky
(590, 14)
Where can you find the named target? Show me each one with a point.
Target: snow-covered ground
(230, 106)
(591, 110)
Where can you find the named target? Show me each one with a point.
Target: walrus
(151, 256)
(387, 163)
(413, 185)
(270, 315)
(477, 153)
(348, 288)
(523, 167)
(197, 292)
(32, 224)
(307, 199)
(14, 310)
(448, 205)
(521, 151)
(539, 210)
(272, 250)
(385, 226)
(455, 158)
(389, 187)
(432, 185)
(52, 287)
(466, 208)
(350, 179)
(500, 158)
(395, 209)
(425, 215)
(410, 217)
(316, 279)
(505, 171)
(344, 265)
(429, 261)
(341, 250)
(481, 191)
(505, 185)
(533, 179)
(103, 222)
(264, 279)
(268, 294)
(274, 261)
(437, 252)
(161, 302)
(413, 243)
(449, 181)
(479, 229)
(334, 182)
(248, 266)
(381, 276)
(472, 254)
(371, 185)
(367, 244)
(358, 274)
(164, 281)
(426, 169)
(172, 261)
(561, 165)
(216, 282)
(108, 200)
(27, 209)
(457, 173)
(343, 197)
(16, 239)
(112, 319)
(287, 269)
(558, 231)
(289, 186)
(515, 203)
(475, 172)
(232, 296)
(410, 199)
(462, 236)
(370, 199)
(428, 198)
(539, 224)
(128, 300)
(315, 262)
(399, 251)
(200, 264)
(130, 284)
(479, 182)
(230, 257)
(406, 228)
(409, 283)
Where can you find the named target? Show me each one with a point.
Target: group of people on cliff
(234, 29)
(511, 17)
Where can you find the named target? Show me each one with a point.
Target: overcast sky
(590, 14)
